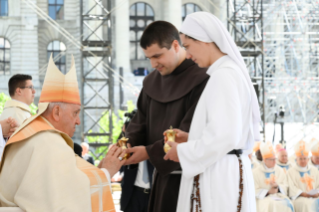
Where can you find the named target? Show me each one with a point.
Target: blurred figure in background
(303, 181)
(282, 158)
(314, 160)
(85, 153)
(271, 186)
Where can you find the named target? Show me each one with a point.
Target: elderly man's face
(283, 157)
(302, 161)
(69, 118)
(315, 159)
(270, 162)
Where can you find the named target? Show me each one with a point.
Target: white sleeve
(223, 130)
(295, 197)
(282, 190)
(261, 194)
(2, 143)
(107, 174)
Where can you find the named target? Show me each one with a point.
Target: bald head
(63, 116)
(283, 156)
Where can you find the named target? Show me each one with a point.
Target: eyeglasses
(271, 159)
(30, 87)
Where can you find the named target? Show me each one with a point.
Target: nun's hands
(180, 136)
(172, 153)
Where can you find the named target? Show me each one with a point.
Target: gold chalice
(170, 137)
(122, 143)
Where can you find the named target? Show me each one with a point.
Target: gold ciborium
(122, 143)
(170, 137)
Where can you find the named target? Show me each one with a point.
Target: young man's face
(27, 92)
(162, 59)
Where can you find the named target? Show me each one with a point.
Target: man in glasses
(22, 92)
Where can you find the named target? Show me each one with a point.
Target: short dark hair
(258, 155)
(17, 81)
(160, 32)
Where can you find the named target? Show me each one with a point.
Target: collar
(217, 63)
(16, 103)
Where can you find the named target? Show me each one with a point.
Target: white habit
(219, 125)
(226, 118)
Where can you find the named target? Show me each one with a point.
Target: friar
(168, 98)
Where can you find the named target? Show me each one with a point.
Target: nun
(217, 173)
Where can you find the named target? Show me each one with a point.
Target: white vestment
(222, 122)
(278, 202)
(17, 110)
(310, 163)
(284, 166)
(303, 180)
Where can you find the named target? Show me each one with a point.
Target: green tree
(117, 123)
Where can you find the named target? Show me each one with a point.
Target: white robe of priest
(284, 166)
(17, 110)
(274, 202)
(310, 163)
(303, 180)
(222, 122)
(42, 173)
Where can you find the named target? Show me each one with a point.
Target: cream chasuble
(310, 163)
(39, 170)
(17, 110)
(42, 173)
(274, 202)
(303, 180)
(285, 167)
(254, 163)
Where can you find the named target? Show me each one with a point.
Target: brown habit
(165, 101)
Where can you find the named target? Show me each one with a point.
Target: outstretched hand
(112, 161)
(180, 136)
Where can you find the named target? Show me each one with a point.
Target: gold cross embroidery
(271, 179)
(308, 180)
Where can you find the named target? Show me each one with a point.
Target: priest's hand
(139, 154)
(180, 136)
(8, 126)
(274, 188)
(315, 195)
(172, 153)
(112, 161)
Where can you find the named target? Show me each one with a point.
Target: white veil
(207, 28)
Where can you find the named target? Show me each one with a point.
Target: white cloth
(2, 143)
(219, 125)
(207, 28)
(139, 177)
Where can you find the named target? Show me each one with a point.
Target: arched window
(188, 9)
(4, 7)
(56, 9)
(4, 56)
(141, 15)
(57, 49)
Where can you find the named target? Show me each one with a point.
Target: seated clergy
(303, 181)
(34, 177)
(314, 160)
(282, 158)
(271, 184)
